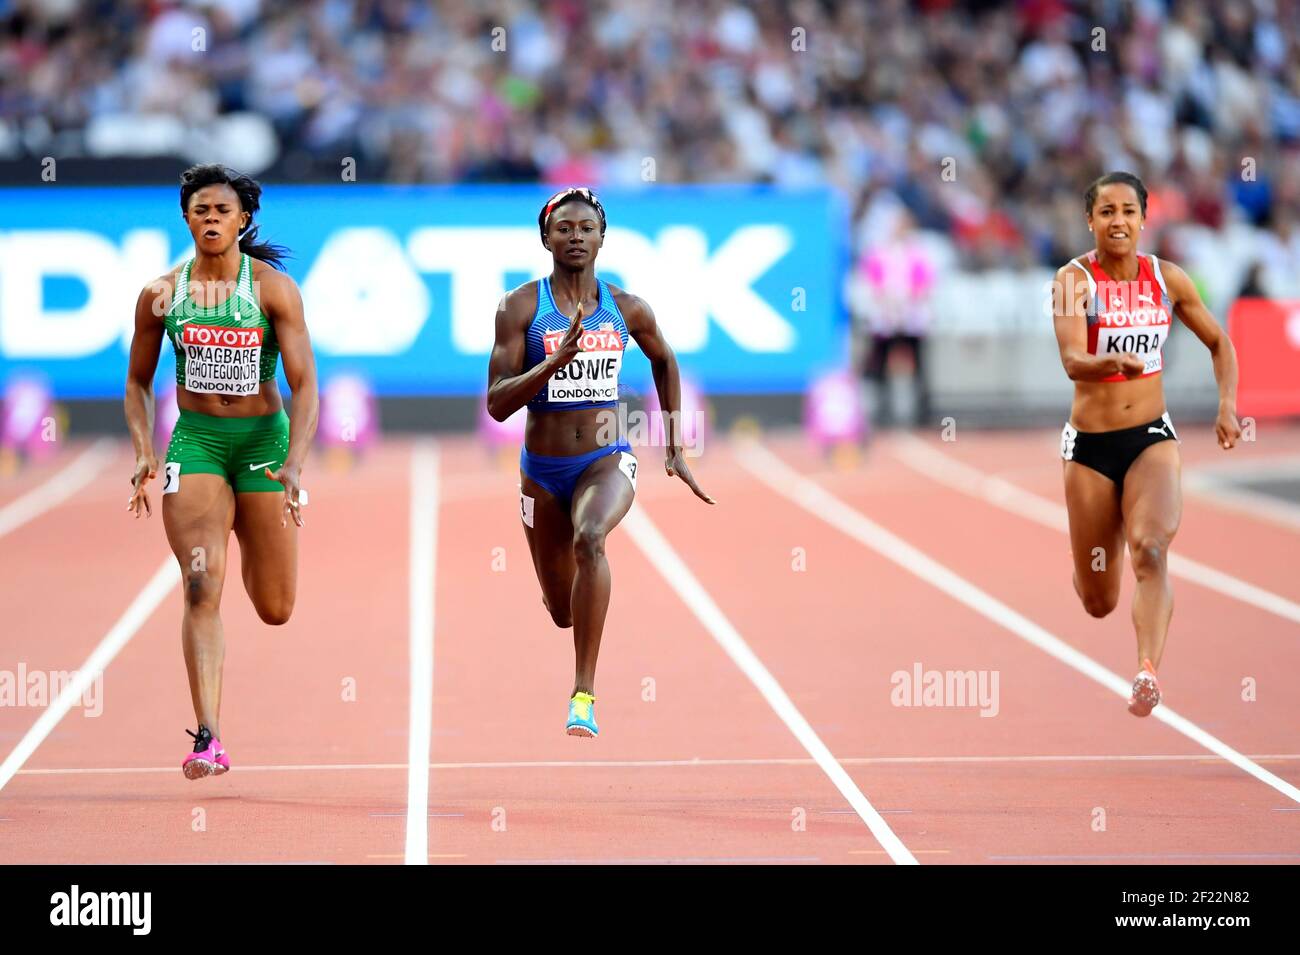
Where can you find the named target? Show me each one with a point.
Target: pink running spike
(1146, 691)
(212, 761)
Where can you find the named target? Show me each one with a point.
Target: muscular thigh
(1096, 527)
(550, 540)
(1153, 496)
(268, 553)
(604, 493)
(198, 516)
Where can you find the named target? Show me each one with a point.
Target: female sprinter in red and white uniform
(1113, 309)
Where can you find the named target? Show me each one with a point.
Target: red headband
(579, 191)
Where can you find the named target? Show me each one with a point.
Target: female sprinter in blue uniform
(1113, 308)
(576, 483)
(235, 457)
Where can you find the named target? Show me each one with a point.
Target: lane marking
(789, 483)
(679, 763)
(1266, 468)
(163, 581)
(58, 487)
(1242, 500)
(946, 470)
(665, 559)
(423, 570)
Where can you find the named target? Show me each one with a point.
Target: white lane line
(1231, 497)
(1229, 467)
(684, 763)
(59, 487)
(946, 470)
(164, 580)
(815, 499)
(423, 568)
(674, 570)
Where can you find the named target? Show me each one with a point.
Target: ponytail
(249, 192)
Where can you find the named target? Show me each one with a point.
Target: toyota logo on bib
(225, 361)
(593, 374)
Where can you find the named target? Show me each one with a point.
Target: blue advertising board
(401, 283)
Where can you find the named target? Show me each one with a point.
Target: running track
(745, 705)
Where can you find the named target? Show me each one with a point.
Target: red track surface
(320, 778)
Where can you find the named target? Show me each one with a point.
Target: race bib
(593, 374)
(1068, 436)
(222, 361)
(627, 464)
(1143, 342)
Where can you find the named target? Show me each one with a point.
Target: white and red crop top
(1131, 316)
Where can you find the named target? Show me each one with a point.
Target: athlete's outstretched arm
(641, 325)
(508, 388)
(283, 303)
(139, 401)
(1069, 314)
(1193, 313)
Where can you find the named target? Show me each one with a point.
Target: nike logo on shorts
(264, 464)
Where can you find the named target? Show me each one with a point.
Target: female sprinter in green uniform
(577, 480)
(1113, 312)
(235, 458)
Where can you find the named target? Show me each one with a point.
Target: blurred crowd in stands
(978, 122)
